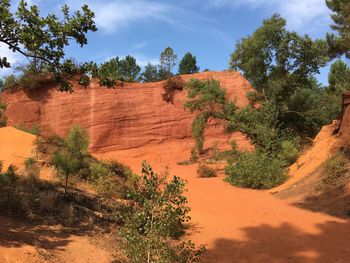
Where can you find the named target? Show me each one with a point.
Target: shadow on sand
(328, 243)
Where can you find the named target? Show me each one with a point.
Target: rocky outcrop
(126, 117)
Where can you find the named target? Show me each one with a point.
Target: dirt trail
(239, 225)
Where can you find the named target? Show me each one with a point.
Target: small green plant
(158, 214)
(69, 160)
(256, 170)
(334, 170)
(288, 152)
(205, 171)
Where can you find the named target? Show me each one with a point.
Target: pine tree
(188, 64)
(168, 60)
(150, 74)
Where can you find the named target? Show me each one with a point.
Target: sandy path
(239, 225)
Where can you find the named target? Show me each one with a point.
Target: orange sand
(240, 225)
(15, 146)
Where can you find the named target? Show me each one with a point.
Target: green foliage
(129, 69)
(288, 152)
(150, 74)
(205, 171)
(188, 64)
(198, 127)
(273, 55)
(334, 169)
(280, 65)
(69, 160)
(109, 72)
(204, 95)
(339, 77)
(256, 170)
(339, 45)
(43, 38)
(167, 60)
(170, 86)
(158, 214)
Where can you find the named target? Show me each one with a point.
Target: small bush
(256, 170)
(170, 86)
(205, 171)
(288, 152)
(3, 106)
(158, 215)
(334, 169)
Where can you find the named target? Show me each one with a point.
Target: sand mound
(15, 146)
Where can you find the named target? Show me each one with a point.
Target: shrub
(70, 159)
(158, 214)
(288, 152)
(334, 169)
(205, 171)
(256, 170)
(170, 86)
(3, 123)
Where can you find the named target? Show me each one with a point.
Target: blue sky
(208, 29)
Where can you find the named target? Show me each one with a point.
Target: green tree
(70, 159)
(280, 65)
(129, 69)
(43, 38)
(339, 77)
(188, 64)
(109, 72)
(208, 98)
(168, 60)
(158, 214)
(340, 45)
(150, 74)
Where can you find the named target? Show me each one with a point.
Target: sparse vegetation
(35, 129)
(205, 171)
(334, 170)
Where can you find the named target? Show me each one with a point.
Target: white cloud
(303, 15)
(140, 45)
(112, 15)
(12, 58)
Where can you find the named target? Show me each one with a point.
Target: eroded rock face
(126, 117)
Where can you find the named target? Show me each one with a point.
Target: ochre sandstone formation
(128, 116)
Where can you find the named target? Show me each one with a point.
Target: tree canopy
(168, 60)
(188, 64)
(340, 45)
(43, 38)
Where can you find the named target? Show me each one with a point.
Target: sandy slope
(239, 225)
(15, 146)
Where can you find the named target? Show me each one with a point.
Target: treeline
(33, 75)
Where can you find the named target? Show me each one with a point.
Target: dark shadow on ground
(14, 233)
(334, 202)
(328, 243)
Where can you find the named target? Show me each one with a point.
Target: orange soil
(240, 225)
(15, 146)
(236, 225)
